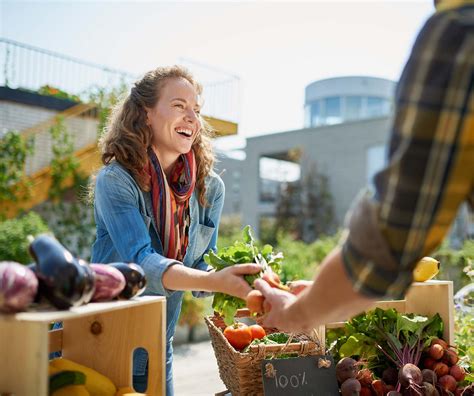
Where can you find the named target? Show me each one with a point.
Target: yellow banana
(425, 269)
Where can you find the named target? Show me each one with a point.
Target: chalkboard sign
(309, 376)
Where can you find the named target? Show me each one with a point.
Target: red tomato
(257, 331)
(238, 335)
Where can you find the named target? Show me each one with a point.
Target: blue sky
(276, 48)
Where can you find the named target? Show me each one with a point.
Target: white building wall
(18, 117)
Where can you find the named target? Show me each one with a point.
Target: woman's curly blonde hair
(128, 136)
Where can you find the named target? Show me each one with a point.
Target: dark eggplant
(135, 278)
(65, 280)
(37, 299)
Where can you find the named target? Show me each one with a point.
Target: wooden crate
(425, 298)
(101, 336)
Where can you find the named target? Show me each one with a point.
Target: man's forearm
(331, 298)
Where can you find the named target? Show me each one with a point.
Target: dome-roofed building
(341, 99)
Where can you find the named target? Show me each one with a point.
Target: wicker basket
(241, 372)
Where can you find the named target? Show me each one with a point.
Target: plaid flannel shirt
(430, 171)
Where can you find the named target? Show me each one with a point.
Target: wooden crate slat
(25, 343)
(24, 358)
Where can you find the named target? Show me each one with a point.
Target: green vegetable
(241, 252)
(385, 338)
(272, 339)
(279, 338)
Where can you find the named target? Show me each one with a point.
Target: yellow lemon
(127, 391)
(425, 269)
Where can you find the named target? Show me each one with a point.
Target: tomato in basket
(239, 335)
(257, 331)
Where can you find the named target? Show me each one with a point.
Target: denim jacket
(127, 231)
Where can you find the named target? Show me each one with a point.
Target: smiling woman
(157, 200)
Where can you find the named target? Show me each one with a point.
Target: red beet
(457, 372)
(439, 341)
(365, 391)
(468, 390)
(350, 387)
(440, 369)
(436, 351)
(429, 363)
(390, 376)
(410, 375)
(345, 369)
(450, 357)
(448, 383)
(378, 388)
(365, 377)
(429, 389)
(429, 376)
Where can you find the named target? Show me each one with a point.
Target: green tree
(316, 216)
(14, 148)
(14, 235)
(305, 208)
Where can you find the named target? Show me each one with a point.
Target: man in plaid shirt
(429, 175)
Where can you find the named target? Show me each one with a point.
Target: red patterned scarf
(170, 200)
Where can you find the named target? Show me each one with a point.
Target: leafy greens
(241, 252)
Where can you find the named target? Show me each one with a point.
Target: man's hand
(280, 302)
(296, 287)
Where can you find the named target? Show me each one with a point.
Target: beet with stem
(436, 351)
(458, 373)
(429, 389)
(410, 377)
(390, 376)
(447, 382)
(350, 387)
(345, 369)
(429, 376)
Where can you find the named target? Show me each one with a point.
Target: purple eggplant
(64, 280)
(89, 281)
(109, 282)
(18, 286)
(134, 277)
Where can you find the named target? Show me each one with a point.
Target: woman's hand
(230, 280)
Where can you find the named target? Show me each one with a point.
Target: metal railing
(28, 67)
(221, 90)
